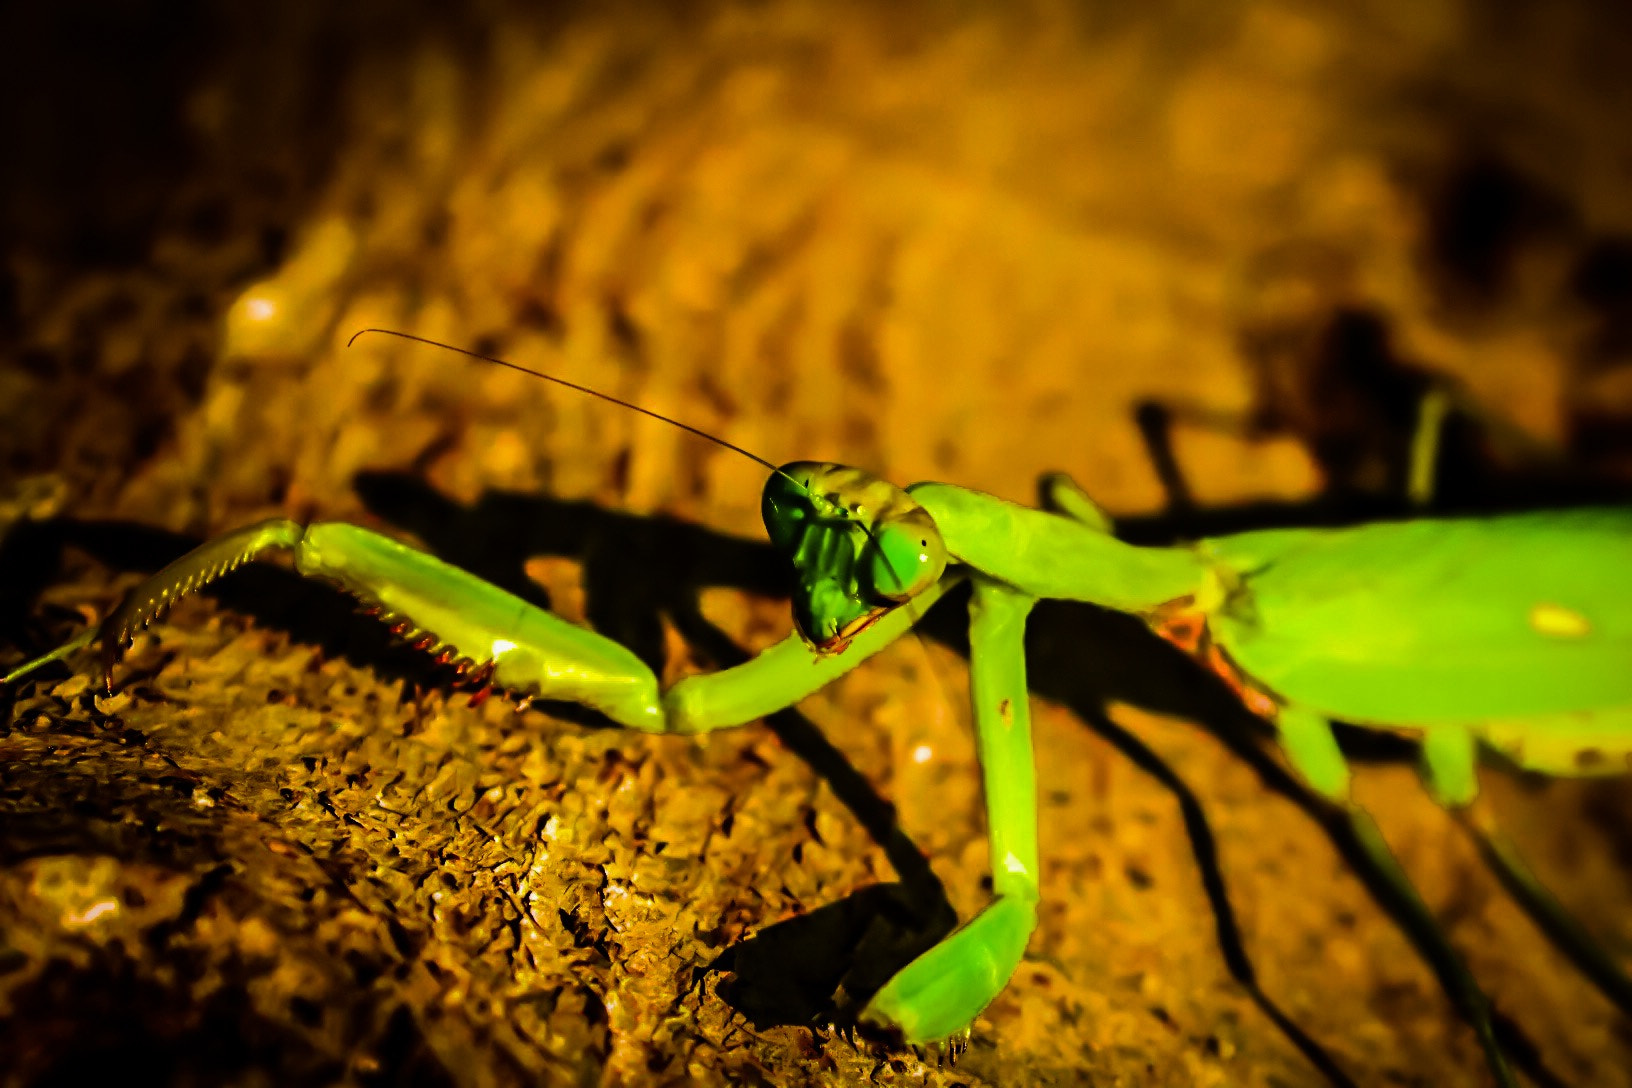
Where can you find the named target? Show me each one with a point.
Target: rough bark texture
(937, 241)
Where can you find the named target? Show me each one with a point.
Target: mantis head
(860, 546)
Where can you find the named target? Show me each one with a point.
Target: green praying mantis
(1512, 632)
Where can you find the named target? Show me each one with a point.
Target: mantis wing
(1437, 622)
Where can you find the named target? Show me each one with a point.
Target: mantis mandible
(1513, 632)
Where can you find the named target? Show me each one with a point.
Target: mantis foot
(956, 1046)
(947, 1051)
(937, 995)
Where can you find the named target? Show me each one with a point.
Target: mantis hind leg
(1307, 740)
(1449, 767)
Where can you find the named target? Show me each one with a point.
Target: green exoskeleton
(1513, 632)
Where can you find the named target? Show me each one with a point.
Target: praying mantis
(1512, 632)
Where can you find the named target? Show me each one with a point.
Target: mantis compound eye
(903, 559)
(786, 508)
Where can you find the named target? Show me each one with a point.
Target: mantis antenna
(609, 398)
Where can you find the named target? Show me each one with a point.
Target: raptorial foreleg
(491, 637)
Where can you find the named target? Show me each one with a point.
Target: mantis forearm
(785, 673)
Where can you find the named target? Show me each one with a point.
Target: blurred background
(1203, 258)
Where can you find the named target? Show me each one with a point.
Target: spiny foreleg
(491, 637)
(487, 635)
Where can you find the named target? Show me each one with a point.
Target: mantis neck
(1051, 555)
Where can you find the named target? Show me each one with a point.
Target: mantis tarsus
(1511, 631)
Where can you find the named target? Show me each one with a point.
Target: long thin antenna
(609, 398)
(716, 439)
